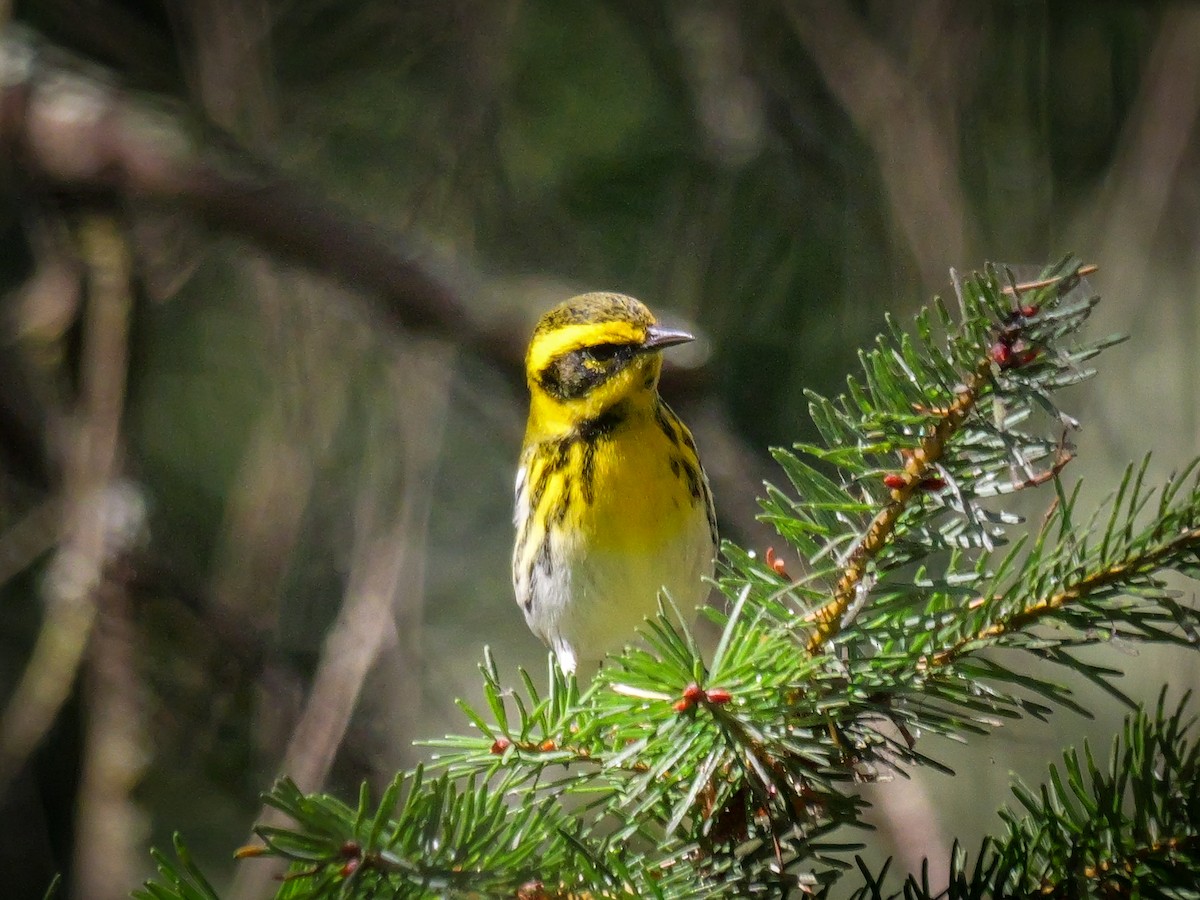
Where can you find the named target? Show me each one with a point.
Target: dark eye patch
(603, 353)
(574, 373)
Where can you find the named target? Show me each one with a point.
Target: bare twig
(917, 161)
(1062, 457)
(89, 540)
(1012, 290)
(1158, 134)
(110, 826)
(386, 580)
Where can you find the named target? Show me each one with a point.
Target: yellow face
(589, 355)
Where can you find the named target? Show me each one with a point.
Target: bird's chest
(636, 490)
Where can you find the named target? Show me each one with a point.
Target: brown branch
(385, 590)
(879, 532)
(1017, 289)
(1062, 458)
(74, 134)
(917, 467)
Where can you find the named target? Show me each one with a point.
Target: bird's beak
(658, 337)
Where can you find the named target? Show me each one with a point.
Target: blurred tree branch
(1158, 134)
(912, 140)
(111, 826)
(72, 138)
(100, 520)
(384, 599)
(70, 135)
(1152, 172)
(73, 132)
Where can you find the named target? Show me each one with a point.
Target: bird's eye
(605, 352)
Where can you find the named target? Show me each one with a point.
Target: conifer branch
(677, 774)
(920, 462)
(1122, 573)
(1132, 830)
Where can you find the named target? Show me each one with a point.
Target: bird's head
(590, 354)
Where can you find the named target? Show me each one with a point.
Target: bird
(612, 503)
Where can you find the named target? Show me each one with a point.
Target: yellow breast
(640, 486)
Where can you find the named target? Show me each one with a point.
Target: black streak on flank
(692, 474)
(663, 417)
(540, 561)
(711, 510)
(558, 514)
(556, 462)
(588, 472)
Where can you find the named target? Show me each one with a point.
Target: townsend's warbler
(612, 503)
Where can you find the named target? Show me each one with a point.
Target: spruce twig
(920, 463)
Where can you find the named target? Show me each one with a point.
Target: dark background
(309, 459)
